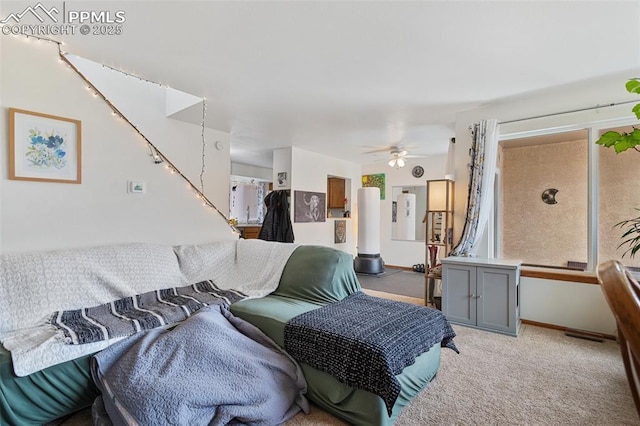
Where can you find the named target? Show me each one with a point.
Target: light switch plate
(137, 187)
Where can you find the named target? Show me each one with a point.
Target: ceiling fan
(397, 158)
(399, 155)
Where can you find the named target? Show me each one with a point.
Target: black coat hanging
(277, 222)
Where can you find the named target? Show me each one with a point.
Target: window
(544, 199)
(618, 199)
(574, 225)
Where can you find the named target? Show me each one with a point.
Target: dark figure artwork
(309, 206)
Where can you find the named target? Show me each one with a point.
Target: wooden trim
(404, 268)
(564, 268)
(576, 277)
(567, 329)
(543, 325)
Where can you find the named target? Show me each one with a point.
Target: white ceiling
(342, 78)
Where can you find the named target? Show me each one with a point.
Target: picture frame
(340, 231)
(376, 180)
(44, 147)
(309, 206)
(282, 179)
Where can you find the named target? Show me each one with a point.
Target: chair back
(622, 292)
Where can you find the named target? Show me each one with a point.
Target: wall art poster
(340, 231)
(374, 180)
(309, 206)
(282, 179)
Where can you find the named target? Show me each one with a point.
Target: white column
(369, 220)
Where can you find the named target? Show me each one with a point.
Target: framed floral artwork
(44, 147)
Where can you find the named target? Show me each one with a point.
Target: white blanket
(253, 267)
(74, 279)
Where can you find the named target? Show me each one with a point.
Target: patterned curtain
(482, 171)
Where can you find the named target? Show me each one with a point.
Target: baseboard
(405, 268)
(571, 331)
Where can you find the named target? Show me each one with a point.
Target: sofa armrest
(318, 275)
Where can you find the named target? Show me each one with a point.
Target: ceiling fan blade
(375, 151)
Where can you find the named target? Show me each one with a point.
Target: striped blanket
(130, 315)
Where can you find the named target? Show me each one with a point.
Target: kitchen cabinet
(335, 193)
(482, 293)
(249, 232)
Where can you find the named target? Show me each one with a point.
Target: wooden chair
(622, 292)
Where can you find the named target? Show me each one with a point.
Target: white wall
(567, 304)
(42, 215)
(309, 172)
(282, 163)
(144, 104)
(573, 305)
(403, 253)
(249, 171)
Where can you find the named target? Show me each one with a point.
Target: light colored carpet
(541, 377)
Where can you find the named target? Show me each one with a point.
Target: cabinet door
(496, 299)
(458, 293)
(336, 189)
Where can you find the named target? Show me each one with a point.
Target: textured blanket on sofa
(365, 341)
(34, 285)
(130, 315)
(212, 369)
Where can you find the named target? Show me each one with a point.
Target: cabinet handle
(478, 296)
(473, 296)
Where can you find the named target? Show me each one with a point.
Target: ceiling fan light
(400, 162)
(392, 162)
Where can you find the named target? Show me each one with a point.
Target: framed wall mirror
(409, 205)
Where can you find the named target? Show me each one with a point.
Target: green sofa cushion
(46, 395)
(271, 313)
(318, 275)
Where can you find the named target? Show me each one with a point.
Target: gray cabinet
(482, 293)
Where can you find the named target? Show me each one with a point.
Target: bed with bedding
(282, 281)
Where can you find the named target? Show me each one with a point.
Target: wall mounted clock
(417, 171)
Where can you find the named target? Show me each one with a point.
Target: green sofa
(312, 277)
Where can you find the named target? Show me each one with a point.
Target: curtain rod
(567, 112)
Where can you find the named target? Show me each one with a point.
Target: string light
(204, 144)
(153, 153)
(126, 74)
(158, 156)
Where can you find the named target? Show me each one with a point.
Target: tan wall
(618, 198)
(534, 231)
